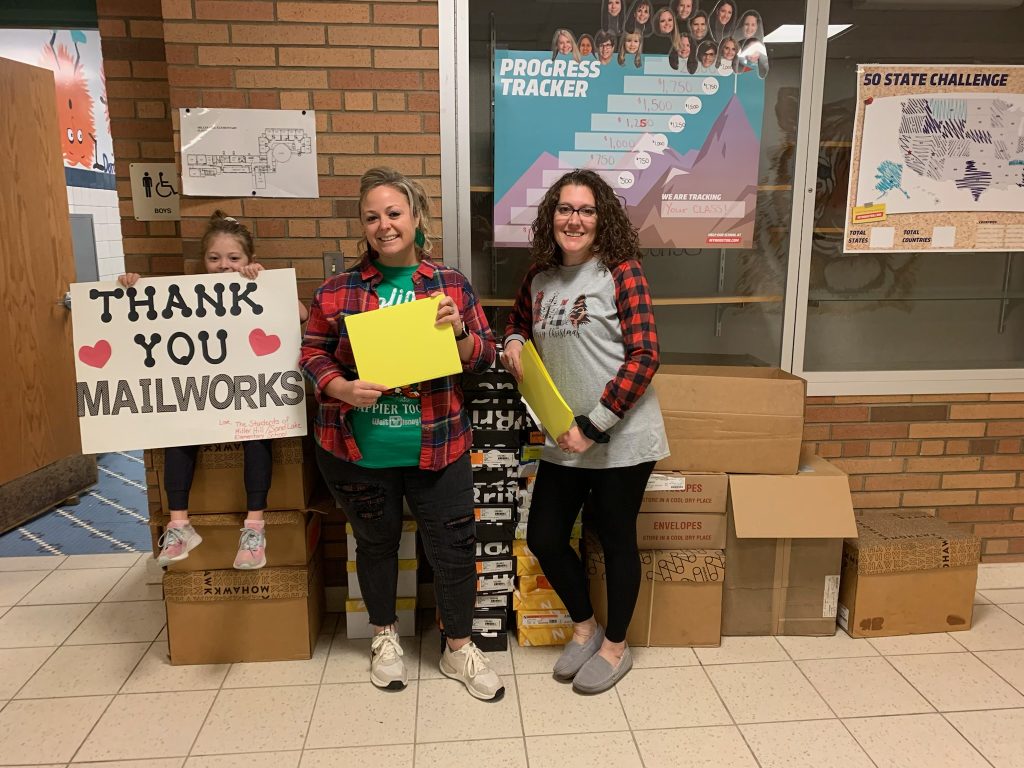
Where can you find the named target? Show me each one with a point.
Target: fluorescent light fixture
(794, 33)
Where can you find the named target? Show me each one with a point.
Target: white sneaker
(472, 668)
(176, 543)
(387, 670)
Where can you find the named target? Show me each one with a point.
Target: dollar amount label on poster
(187, 360)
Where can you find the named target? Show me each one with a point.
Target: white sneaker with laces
(387, 670)
(470, 666)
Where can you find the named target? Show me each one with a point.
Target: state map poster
(249, 153)
(667, 110)
(937, 159)
(187, 360)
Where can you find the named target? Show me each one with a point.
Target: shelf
(488, 301)
(831, 298)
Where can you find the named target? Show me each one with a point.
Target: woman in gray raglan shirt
(586, 306)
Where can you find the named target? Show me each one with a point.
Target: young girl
(227, 247)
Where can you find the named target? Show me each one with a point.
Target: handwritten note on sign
(187, 360)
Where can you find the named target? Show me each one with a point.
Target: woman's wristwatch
(590, 431)
(464, 334)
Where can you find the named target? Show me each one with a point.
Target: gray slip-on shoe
(597, 675)
(575, 655)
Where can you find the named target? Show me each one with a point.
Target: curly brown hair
(616, 238)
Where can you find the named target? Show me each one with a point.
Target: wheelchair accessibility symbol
(155, 191)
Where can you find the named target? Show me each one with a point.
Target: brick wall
(131, 32)
(369, 70)
(955, 456)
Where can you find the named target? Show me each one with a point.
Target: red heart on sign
(263, 343)
(96, 355)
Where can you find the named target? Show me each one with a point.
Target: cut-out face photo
(750, 26)
(664, 23)
(586, 46)
(612, 15)
(640, 18)
(699, 26)
(707, 52)
(683, 10)
(753, 56)
(724, 19)
(727, 51)
(682, 55)
(631, 49)
(604, 44)
(563, 43)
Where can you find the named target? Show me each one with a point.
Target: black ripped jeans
(442, 503)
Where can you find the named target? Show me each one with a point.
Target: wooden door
(38, 410)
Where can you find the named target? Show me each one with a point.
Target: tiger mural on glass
(833, 274)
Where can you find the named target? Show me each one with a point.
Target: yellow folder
(542, 395)
(400, 345)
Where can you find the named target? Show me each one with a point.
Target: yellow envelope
(400, 345)
(541, 393)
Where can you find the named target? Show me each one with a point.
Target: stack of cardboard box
(357, 620)
(739, 533)
(499, 419)
(216, 614)
(681, 535)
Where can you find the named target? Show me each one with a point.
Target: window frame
(453, 23)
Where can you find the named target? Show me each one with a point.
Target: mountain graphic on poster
(532, 178)
(645, 180)
(722, 167)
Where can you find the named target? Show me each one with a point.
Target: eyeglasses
(565, 211)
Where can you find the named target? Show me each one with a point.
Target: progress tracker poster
(666, 107)
(937, 159)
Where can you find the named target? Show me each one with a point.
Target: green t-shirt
(389, 433)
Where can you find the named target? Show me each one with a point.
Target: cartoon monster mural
(74, 102)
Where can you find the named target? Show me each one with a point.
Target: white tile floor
(84, 681)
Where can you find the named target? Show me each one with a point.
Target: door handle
(66, 301)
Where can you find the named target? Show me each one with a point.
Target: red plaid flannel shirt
(639, 333)
(327, 354)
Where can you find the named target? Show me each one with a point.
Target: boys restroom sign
(187, 360)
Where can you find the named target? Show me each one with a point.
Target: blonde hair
(419, 203)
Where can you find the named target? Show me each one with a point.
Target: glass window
(906, 311)
(712, 305)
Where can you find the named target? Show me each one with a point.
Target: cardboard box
(292, 538)
(493, 600)
(543, 628)
(357, 620)
(406, 579)
(680, 599)
(218, 485)
(731, 419)
(495, 582)
(406, 546)
(224, 616)
(495, 513)
(488, 532)
(683, 511)
(493, 549)
(907, 573)
(491, 642)
(490, 620)
(495, 564)
(785, 545)
(537, 600)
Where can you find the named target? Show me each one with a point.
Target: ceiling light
(794, 33)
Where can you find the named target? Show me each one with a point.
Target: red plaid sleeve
(520, 319)
(318, 344)
(639, 337)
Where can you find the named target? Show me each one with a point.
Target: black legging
(180, 466)
(615, 497)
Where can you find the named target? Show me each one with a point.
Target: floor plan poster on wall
(938, 159)
(680, 150)
(248, 153)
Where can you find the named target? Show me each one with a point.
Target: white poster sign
(187, 360)
(249, 153)
(155, 191)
